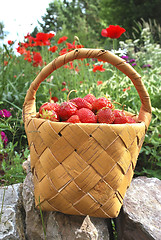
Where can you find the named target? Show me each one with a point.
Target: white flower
(120, 52)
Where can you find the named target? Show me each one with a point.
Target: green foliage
(2, 33)
(80, 18)
(125, 12)
(12, 165)
(12, 154)
(153, 27)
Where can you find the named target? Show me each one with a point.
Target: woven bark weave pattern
(84, 169)
(78, 169)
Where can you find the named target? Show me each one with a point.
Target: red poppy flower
(64, 89)
(62, 39)
(25, 45)
(70, 45)
(77, 69)
(43, 38)
(98, 68)
(99, 60)
(30, 38)
(73, 46)
(99, 83)
(37, 59)
(79, 46)
(70, 65)
(10, 42)
(53, 49)
(5, 63)
(21, 50)
(113, 31)
(28, 56)
(50, 35)
(63, 51)
(125, 89)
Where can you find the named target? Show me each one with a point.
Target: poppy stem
(114, 45)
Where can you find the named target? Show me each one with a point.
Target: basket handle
(29, 107)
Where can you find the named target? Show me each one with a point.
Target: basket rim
(33, 117)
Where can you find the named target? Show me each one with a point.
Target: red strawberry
(124, 119)
(74, 119)
(66, 110)
(90, 98)
(49, 107)
(81, 103)
(130, 119)
(86, 115)
(51, 115)
(118, 113)
(100, 103)
(105, 115)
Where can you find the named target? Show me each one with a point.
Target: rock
(11, 224)
(59, 226)
(26, 165)
(141, 215)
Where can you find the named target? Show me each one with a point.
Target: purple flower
(132, 60)
(4, 138)
(133, 64)
(146, 65)
(124, 57)
(5, 113)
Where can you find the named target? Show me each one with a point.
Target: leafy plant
(12, 154)
(12, 168)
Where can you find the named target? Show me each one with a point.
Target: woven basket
(84, 169)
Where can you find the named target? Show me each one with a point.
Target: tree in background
(2, 33)
(127, 12)
(75, 17)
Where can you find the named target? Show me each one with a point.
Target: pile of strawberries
(88, 109)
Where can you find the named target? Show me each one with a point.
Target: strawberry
(49, 107)
(66, 110)
(74, 119)
(130, 119)
(51, 115)
(100, 103)
(81, 103)
(118, 113)
(90, 98)
(105, 115)
(86, 115)
(124, 119)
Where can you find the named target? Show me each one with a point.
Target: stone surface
(59, 226)
(11, 224)
(141, 215)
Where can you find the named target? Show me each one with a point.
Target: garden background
(74, 24)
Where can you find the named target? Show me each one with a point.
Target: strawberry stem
(123, 107)
(117, 103)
